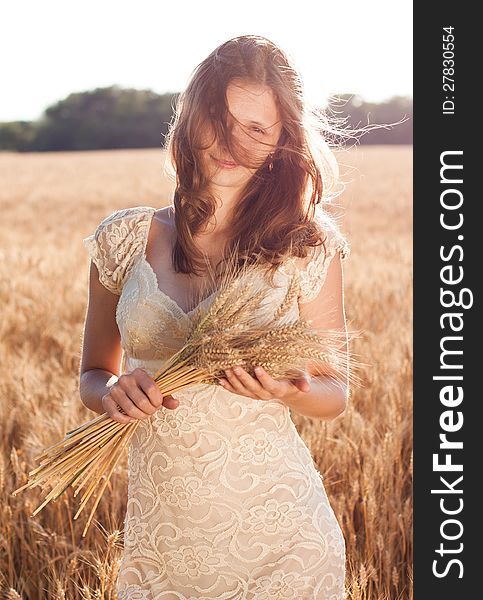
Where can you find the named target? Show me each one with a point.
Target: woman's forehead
(252, 103)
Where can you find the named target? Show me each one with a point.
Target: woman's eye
(257, 130)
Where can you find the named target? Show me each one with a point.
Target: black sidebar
(448, 356)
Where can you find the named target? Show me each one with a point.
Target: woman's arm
(94, 384)
(328, 396)
(101, 348)
(326, 400)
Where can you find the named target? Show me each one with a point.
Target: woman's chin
(237, 176)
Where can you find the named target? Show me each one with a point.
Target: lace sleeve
(118, 240)
(313, 275)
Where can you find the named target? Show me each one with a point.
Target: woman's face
(254, 123)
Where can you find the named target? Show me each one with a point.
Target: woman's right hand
(138, 395)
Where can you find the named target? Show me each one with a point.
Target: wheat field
(49, 203)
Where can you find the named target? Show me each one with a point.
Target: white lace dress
(224, 499)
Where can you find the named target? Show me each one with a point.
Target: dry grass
(49, 203)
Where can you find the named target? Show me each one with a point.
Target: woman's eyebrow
(257, 123)
(262, 125)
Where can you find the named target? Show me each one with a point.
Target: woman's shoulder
(132, 214)
(117, 242)
(314, 267)
(332, 234)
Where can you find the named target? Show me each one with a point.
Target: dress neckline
(164, 295)
(154, 276)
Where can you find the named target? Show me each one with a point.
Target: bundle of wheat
(224, 334)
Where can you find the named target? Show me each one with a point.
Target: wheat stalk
(222, 335)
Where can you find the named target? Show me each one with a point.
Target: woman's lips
(225, 164)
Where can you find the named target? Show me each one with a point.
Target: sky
(52, 48)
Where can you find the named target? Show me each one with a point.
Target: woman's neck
(226, 199)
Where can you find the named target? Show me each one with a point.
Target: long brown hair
(274, 215)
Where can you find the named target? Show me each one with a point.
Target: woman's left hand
(264, 387)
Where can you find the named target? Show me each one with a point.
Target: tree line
(115, 117)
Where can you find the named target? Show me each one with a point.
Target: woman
(224, 499)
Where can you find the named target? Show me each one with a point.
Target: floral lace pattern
(224, 498)
(118, 239)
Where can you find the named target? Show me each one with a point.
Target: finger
(302, 384)
(149, 387)
(252, 385)
(170, 402)
(236, 384)
(268, 382)
(121, 399)
(233, 380)
(131, 388)
(227, 385)
(113, 412)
